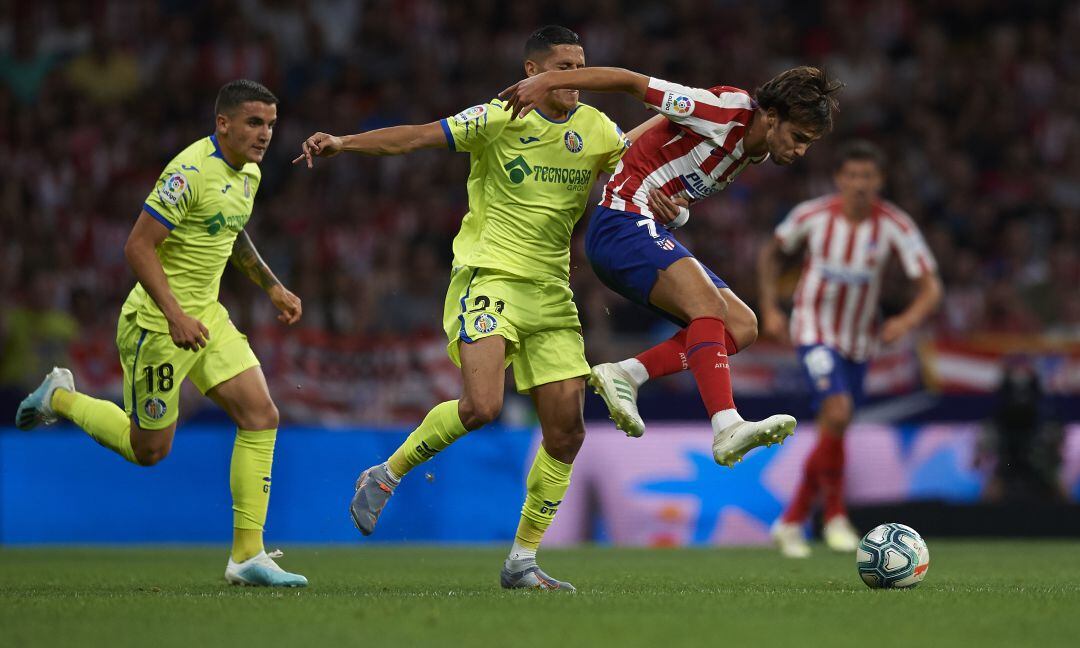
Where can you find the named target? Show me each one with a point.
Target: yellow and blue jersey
(528, 184)
(204, 202)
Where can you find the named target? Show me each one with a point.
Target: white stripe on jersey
(836, 300)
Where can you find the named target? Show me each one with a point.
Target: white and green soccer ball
(892, 555)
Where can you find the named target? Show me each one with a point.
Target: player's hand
(319, 145)
(188, 333)
(525, 95)
(895, 328)
(286, 302)
(665, 208)
(774, 324)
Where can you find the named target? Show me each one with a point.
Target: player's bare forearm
(395, 140)
(926, 299)
(246, 257)
(141, 254)
(640, 129)
(599, 79)
(768, 270)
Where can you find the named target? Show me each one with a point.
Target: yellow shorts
(537, 318)
(154, 367)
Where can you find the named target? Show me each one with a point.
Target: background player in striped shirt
(847, 239)
(173, 327)
(702, 139)
(509, 300)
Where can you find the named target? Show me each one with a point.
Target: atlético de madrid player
(698, 143)
(847, 239)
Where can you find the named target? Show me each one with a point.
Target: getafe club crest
(573, 141)
(485, 323)
(154, 408)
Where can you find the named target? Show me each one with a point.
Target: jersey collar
(557, 121)
(218, 155)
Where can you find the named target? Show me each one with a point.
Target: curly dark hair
(805, 95)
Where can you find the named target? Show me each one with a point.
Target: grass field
(975, 594)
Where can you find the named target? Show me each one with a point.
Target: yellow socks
(249, 479)
(441, 427)
(103, 420)
(545, 487)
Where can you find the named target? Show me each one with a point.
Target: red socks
(708, 360)
(669, 356)
(823, 472)
(665, 358)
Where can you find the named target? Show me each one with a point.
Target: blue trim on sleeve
(217, 153)
(449, 135)
(158, 217)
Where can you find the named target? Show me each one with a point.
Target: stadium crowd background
(975, 103)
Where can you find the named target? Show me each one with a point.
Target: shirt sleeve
(909, 244)
(175, 194)
(474, 128)
(616, 144)
(706, 113)
(793, 231)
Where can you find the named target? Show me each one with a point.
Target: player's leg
(479, 324)
(832, 422)
(550, 366)
(245, 397)
(823, 468)
(619, 382)
(153, 370)
(559, 408)
(228, 372)
(686, 290)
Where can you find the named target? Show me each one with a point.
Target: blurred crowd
(974, 101)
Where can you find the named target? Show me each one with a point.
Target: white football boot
(840, 535)
(789, 539)
(262, 571)
(735, 440)
(36, 409)
(619, 391)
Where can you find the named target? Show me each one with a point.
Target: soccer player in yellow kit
(509, 300)
(173, 327)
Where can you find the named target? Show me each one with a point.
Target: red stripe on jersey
(856, 321)
(719, 115)
(653, 96)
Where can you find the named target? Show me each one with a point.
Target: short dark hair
(862, 150)
(234, 93)
(805, 95)
(548, 36)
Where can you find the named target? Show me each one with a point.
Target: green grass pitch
(975, 594)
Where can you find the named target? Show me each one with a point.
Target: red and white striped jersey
(695, 153)
(836, 301)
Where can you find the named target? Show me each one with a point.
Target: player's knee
(263, 416)
(710, 305)
(150, 454)
(836, 413)
(744, 330)
(478, 412)
(564, 443)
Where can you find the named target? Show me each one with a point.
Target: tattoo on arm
(246, 257)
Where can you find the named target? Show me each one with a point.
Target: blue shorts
(827, 373)
(627, 251)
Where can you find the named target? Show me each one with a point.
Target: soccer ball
(892, 555)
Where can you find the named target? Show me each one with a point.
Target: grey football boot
(373, 490)
(526, 574)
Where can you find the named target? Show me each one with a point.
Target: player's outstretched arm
(394, 140)
(246, 257)
(526, 94)
(140, 252)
